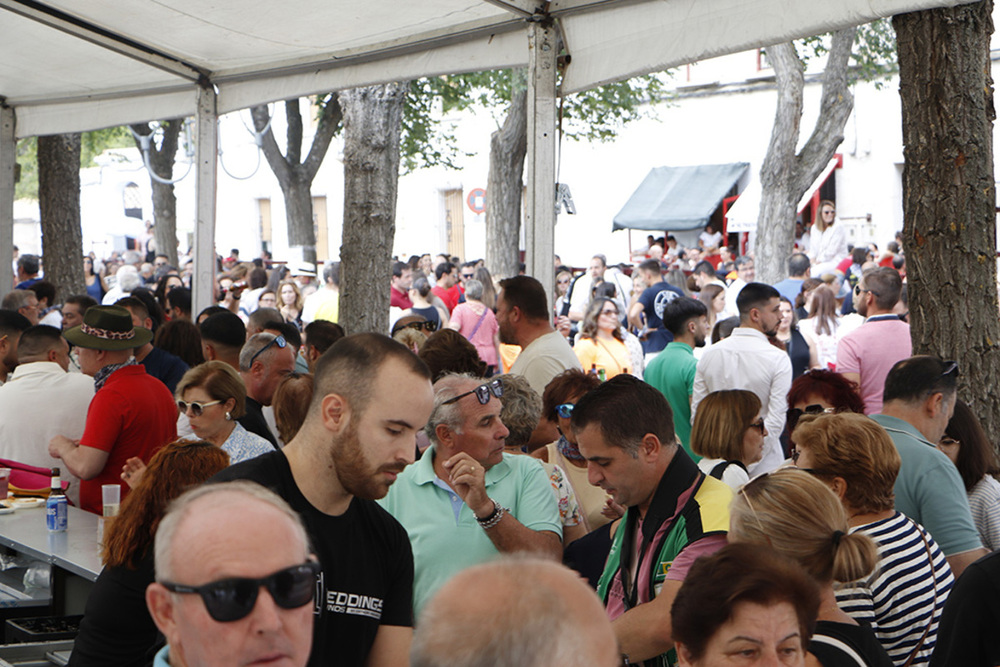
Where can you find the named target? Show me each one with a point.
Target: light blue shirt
(242, 445)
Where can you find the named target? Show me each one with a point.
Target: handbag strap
(927, 630)
(478, 324)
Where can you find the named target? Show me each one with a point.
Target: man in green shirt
(672, 370)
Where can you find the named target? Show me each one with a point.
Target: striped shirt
(901, 597)
(984, 501)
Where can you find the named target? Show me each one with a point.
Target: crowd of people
(743, 473)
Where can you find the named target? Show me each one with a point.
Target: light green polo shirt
(672, 373)
(929, 489)
(442, 545)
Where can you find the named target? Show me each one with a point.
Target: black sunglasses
(232, 599)
(759, 425)
(429, 326)
(278, 340)
(793, 414)
(482, 393)
(196, 408)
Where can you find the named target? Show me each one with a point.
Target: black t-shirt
(858, 638)
(968, 634)
(253, 421)
(653, 300)
(116, 628)
(367, 576)
(165, 367)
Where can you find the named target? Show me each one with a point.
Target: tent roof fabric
(679, 198)
(72, 65)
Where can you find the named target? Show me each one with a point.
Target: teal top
(672, 372)
(929, 489)
(445, 541)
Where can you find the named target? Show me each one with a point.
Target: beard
(506, 335)
(699, 340)
(354, 472)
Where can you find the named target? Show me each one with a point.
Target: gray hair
(128, 278)
(17, 299)
(255, 344)
(522, 408)
(182, 506)
(447, 387)
(473, 289)
(535, 625)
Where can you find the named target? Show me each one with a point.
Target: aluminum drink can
(56, 514)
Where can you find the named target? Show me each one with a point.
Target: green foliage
(92, 144)
(594, 115)
(874, 55)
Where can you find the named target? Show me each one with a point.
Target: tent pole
(203, 281)
(8, 152)
(540, 211)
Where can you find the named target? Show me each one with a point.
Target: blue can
(56, 513)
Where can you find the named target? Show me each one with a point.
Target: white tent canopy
(74, 65)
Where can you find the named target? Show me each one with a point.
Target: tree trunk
(372, 125)
(784, 175)
(161, 163)
(508, 147)
(949, 228)
(295, 176)
(59, 207)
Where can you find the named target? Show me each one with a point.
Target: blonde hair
(856, 449)
(800, 517)
(722, 420)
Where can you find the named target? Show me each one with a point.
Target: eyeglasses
(278, 340)
(793, 414)
(947, 441)
(482, 393)
(232, 599)
(565, 410)
(610, 311)
(828, 212)
(196, 407)
(759, 425)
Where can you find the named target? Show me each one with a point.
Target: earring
(228, 416)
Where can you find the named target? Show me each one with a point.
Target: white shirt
(829, 245)
(746, 360)
(732, 292)
(39, 401)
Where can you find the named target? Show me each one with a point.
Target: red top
(449, 296)
(399, 300)
(133, 414)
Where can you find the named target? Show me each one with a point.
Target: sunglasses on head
(278, 340)
(482, 393)
(196, 408)
(794, 414)
(429, 326)
(565, 410)
(232, 599)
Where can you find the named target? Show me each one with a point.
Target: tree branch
(330, 120)
(293, 132)
(270, 147)
(788, 113)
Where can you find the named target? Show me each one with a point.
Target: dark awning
(679, 198)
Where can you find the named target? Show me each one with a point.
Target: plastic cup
(4, 480)
(111, 494)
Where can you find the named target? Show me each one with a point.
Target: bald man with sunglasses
(465, 501)
(235, 580)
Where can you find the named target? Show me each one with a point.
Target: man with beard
(866, 355)
(524, 319)
(747, 360)
(371, 396)
(466, 501)
(12, 323)
(672, 371)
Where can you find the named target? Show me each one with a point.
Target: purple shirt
(871, 350)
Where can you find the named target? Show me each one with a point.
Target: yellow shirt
(611, 355)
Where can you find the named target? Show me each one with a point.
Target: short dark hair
(288, 330)
(225, 329)
(28, 263)
(349, 368)
(257, 278)
(331, 273)
(447, 351)
(742, 260)
(678, 312)
(724, 328)
(398, 268)
(651, 265)
(918, 377)
(37, 340)
(211, 310)
(43, 289)
(754, 295)
(859, 255)
(704, 267)
(84, 301)
(626, 409)
(798, 264)
(153, 307)
(180, 298)
(442, 269)
(892, 247)
(132, 303)
(738, 573)
(884, 284)
(322, 334)
(526, 294)
(12, 323)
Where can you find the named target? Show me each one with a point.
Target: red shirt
(399, 300)
(449, 296)
(133, 414)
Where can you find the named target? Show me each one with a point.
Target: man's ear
(444, 435)
(649, 447)
(934, 404)
(335, 412)
(208, 350)
(161, 607)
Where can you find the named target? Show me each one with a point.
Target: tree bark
(372, 126)
(59, 207)
(161, 163)
(295, 176)
(784, 175)
(949, 219)
(504, 185)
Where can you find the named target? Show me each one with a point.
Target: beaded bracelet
(494, 518)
